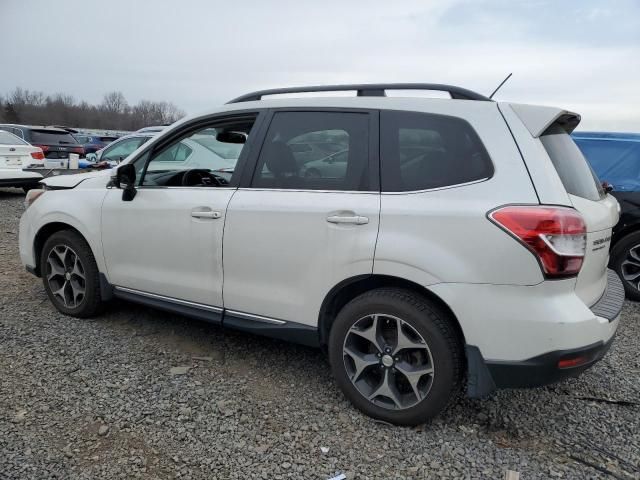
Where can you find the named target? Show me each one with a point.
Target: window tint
(284, 164)
(7, 138)
(615, 161)
(421, 151)
(574, 171)
(205, 158)
(121, 150)
(52, 137)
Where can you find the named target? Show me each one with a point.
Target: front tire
(396, 356)
(70, 274)
(625, 260)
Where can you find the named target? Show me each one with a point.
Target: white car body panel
(282, 256)
(155, 245)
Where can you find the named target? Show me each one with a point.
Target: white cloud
(196, 53)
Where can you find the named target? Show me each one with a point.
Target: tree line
(113, 113)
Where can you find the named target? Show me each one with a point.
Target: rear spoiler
(538, 119)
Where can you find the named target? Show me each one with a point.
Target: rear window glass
(421, 151)
(9, 139)
(52, 137)
(575, 172)
(615, 161)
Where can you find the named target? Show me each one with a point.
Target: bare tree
(36, 108)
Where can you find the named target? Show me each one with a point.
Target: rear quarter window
(575, 172)
(422, 151)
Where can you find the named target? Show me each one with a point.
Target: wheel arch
(621, 234)
(44, 233)
(348, 289)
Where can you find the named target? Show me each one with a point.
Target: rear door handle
(352, 219)
(205, 214)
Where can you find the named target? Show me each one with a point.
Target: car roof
(34, 127)
(622, 136)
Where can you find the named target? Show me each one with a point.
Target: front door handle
(352, 219)
(205, 214)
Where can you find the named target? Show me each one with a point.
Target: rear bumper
(568, 359)
(544, 369)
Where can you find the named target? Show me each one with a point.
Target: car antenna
(500, 86)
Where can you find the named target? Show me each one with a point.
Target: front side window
(422, 151)
(204, 158)
(295, 153)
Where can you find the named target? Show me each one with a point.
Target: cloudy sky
(583, 55)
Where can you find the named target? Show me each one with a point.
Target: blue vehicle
(615, 159)
(93, 143)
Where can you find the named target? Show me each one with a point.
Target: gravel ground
(144, 394)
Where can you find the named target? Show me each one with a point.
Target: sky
(583, 55)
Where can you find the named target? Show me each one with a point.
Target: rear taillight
(37, 155)
(79, 150)
(45, 148)
(556, 235)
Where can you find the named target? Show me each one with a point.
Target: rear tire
(406, 377)
(70, 274)
(623, 260)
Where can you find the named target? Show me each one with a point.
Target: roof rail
(367, 90)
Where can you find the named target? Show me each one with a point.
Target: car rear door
(290, 238)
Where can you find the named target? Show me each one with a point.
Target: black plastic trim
(479, 380)
(288, 331)
(543, 369)
(367, 90)
(19, 182)
(610, 304)
(188, 311)
(31, 270)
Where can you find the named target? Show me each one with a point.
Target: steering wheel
(200, 176)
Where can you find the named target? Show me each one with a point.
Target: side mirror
(126, 180)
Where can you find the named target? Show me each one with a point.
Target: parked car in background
(56, 144)
(119, 149)
(478, 260)
(93, 143)
(152, 129)
(15, 156)
(615, 159)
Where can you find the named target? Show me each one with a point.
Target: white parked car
(16, 155)
(465, 242)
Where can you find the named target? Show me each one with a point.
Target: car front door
(290, 238)
(166, 244)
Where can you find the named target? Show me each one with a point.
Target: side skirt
(256, 324)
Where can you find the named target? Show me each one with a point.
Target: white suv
(462, 242)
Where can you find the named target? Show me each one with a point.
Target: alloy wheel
(66, 276)
(630, 267)
(388, 361)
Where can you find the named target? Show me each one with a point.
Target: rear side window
(421, 151)
(574, 171)
(7, 138)
(52, 137)
(282, 164)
